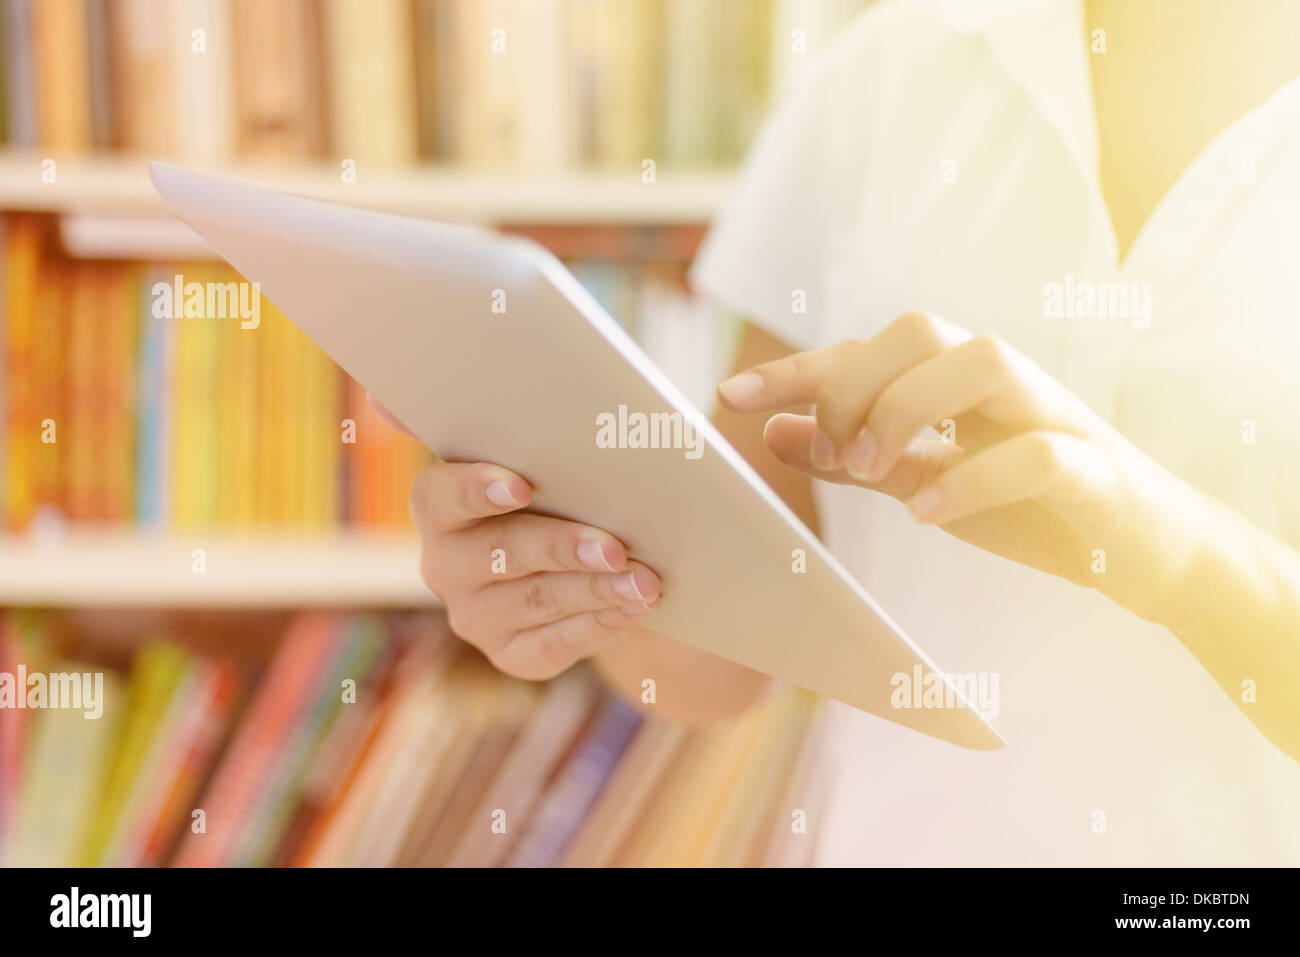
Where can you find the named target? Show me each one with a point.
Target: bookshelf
(108, 209)
(126, 568)
(179, 426)
(117, 186)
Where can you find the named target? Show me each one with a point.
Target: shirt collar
(1042, 47)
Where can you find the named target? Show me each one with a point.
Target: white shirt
(944, 157)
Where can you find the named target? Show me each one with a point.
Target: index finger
(790, 380)
(446, 495)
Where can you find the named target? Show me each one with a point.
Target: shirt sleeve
(766, 255)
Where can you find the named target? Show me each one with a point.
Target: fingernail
(860, 456)
(823, 453)
(741, 387)
(925, 502)
(498, 493)
(625, 586)
(636, 611)
(592, 554)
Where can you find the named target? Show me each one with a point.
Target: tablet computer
(488, 349)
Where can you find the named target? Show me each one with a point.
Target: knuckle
(501, 538)
(844, 358)
(516, 659)
(417, 500)
(503, 661)
(610, 620)
(466, 498)
(787, 368)
(1044, 453)
(574, 641)
(832, 412)
(557, 552)
(990, 351)
(888, 408)
(918, 324)
(835, 396)
(465, 618)
(539, 597)
(559, 649)
(599, 587)
(431, 571)
(456, 621)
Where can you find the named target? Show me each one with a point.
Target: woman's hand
(1033, 475)
(534, 594)
(1030, 472)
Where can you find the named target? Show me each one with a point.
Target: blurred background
(214, 518)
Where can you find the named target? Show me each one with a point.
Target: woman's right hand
(534, 594)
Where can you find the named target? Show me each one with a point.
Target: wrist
(1234, 581)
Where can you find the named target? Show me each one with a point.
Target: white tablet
(488, 349)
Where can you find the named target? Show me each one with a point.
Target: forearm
(1239, 615)
(690, 684)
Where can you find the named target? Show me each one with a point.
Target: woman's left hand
(1024, 468)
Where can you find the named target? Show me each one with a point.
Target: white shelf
(130, 569)
(120, 186)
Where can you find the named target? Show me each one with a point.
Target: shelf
(131, 569)
(120, 186)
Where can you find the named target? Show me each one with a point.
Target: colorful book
(620, 805)
(576, 787)
(233, 793)
(502, 816)
(63, 776)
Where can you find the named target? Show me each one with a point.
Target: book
(195, 723)
(372, 82)
(62, 76)
(792, 840)
(447, 821)
(361, 640)
(621, 803)
(99, 74)
(158, 672)
(154, 384)
(503, 812)
(63, 775)
(377, 740)
(691, 797)
(332, 842)
(574, 790)
(179, 420)
(751, 806)
(141, 38)
(234, 791)
(279, 68)
(202, 62)
(19, 68)
(480, 707)
(13, 728)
